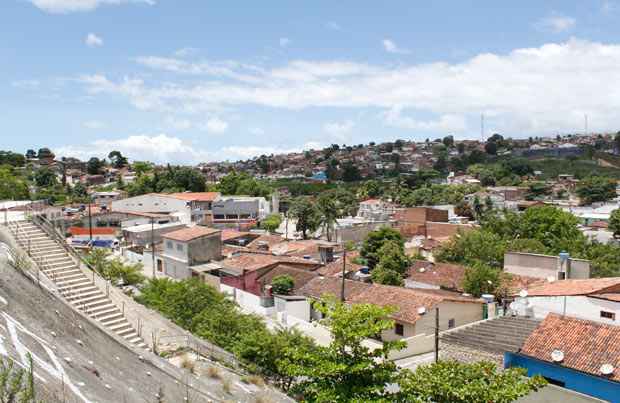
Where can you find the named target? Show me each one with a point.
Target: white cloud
(445, 123)
(70, 6)
(216, 125)
(93, 124)
(162, 148)
(93, 40)
(26, 84)
(391, 47)
(339, 129)
(527, 91)
(185, 52)
(257, 131)
(178, 123)
(285, 42)
(333, 25)
(556, 23)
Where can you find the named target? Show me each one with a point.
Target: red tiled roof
(444, 275)
(196, 196)
(407, 301)
(300, 276)
(586, 345)
(609, 296)
(576, 287)
(257, 261)
(188, 234)
(96, 231)
(228, 234)
(334, 269)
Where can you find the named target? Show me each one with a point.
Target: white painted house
(596, 299)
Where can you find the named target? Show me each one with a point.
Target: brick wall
(444, 230)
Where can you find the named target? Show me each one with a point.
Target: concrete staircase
(494, 336)
(54, 261)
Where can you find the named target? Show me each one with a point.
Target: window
(608, 315)
(399, 329)
(169, 244)
(180, 247)
(451, 323)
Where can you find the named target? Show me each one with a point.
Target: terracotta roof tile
(577, 287)
(334, 269)
(188, 234)
(299, 276)
(257, 261)
(195, 196)
(586, 345)
(96, 231)
(444, 275)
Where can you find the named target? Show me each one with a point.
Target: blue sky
(196, 80)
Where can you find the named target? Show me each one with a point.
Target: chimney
(327, 253)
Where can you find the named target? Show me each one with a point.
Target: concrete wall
(543, 266)
(463, 313)
(445, 230)
(358, 232)
(299, 309)
(205, 249)
(577, 306)
(248, 301)
(246, 207)
(153, 203)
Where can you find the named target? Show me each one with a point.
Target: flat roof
(147, 227)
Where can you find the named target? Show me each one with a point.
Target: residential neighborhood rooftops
(444, 275)
(407, 301)
(190, 233)
(586, 345)
(257, 261)
(576, 287)
(196, 196)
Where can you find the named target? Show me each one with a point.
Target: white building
(240, 208)
(188, 207)
(596, 299)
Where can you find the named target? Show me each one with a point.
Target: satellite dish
(607, 369)
(421, 310)
(523, 293)
(557, 355)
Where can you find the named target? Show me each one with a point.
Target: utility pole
(90, 224)
(153, 244)
(437, 334)
(344, 267)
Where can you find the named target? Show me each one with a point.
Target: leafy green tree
(556, 229)
(482, 279)
(44, 177)
(460, 147)
(457, 382)
(596, 189)
(117, 159)
(374, 242)
(350, 172)
(113, 269)
(393, 264)
(271, 223)
(94, 166)
(11, 158)
(333, 204)
(17, 383)
(12, 186)
(30, 154)
(307, 215)
(347, 370)
(476, 246)
(448, 141)
(282, 284)
(45, 153)
(491, 148)
(141, 167)
(537, 191)
(614, 222)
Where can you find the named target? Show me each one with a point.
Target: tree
(350, 172)
(457, 382)
(11, 158)
(347, 370)
(460, 147)
(481, 279)
(30, 154)
(476, 246)
(375, 240)
(333, 204)
(44, 177)
(614, 222)
(141, 167)
(490, 148)
(307, 215)
(45, 153)
(12, 187)
(94, 166)
(271, 222)
(117, 159)
(282, 284)
(393, 264)
(448, 141)
(555, 228)
(596, 189)
(16, 383)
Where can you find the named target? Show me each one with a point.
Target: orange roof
(576, 287)
(334, 269)
(444, 275)
(228, 234)
(257, 261)
(96, 231)
(586, 345)
(196, 196)
(188, 234)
